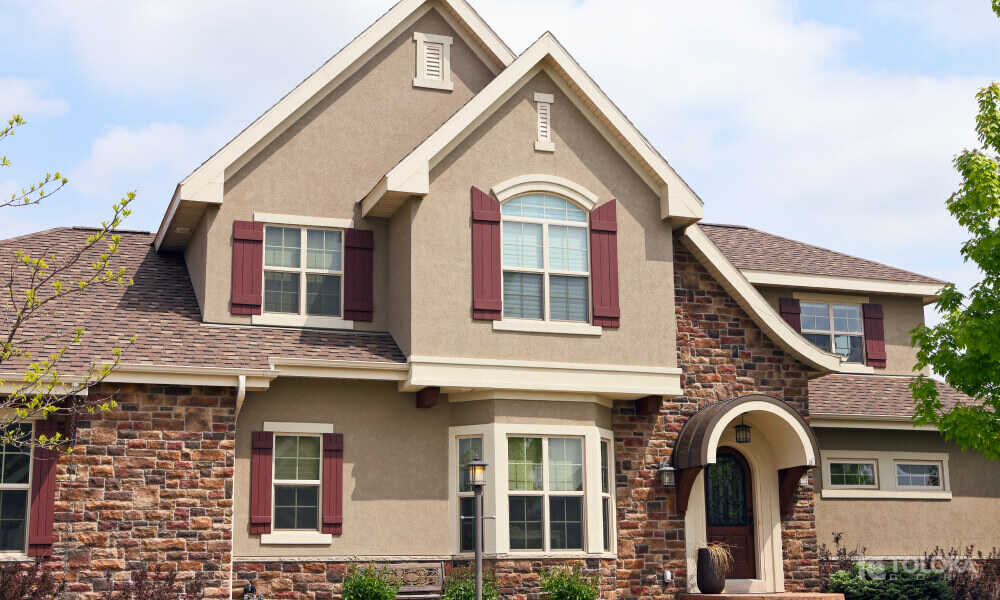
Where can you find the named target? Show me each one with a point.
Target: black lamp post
(477, 478)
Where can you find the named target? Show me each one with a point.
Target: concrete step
(779, 596)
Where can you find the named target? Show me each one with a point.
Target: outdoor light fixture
(668, 476)
(742, 432)
(477, 472)
(477, 478)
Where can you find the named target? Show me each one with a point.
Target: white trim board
(832, 421)
(411, 177)
(205, 183)
(928, 291)
(540, 182)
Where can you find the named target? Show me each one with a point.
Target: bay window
(469, 449)
(834, 328)
(303, 271)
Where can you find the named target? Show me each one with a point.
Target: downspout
(241, 395)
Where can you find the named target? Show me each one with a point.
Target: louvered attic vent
(543, 104)
(433, 69)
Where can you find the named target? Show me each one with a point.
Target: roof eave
(927, 291)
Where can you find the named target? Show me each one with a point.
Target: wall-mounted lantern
(668, 476)
(742, 432)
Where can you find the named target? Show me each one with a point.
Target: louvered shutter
(434, 60)
(43, 493)
(248, 261)
(791, 312)
(260, 481)
(874, 335)
(604, 264)
(333, 483)
(359, 248)
(487, 303)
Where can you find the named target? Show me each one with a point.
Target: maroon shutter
(43, 493)
(359, 301)
(333, 483)
(260, 481)
(248, 263)
(487, 303)
(874, 335)
(604, 264)
(791, 312)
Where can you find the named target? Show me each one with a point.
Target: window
(296, 482)
(853, 474)
(14, 474)
(543, 108)
(606, 506)
(303, 271)
(918, 475)
(546, 262)
(468, 449)
(545, 479)
(834, 328)
(433, 61)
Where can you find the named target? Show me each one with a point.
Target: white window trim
(546, 324)
(7, 555)
(496, 541)
(830, 298)
(903, 461)
(419, 80)
(282, 427)
(536, 326)
(886, 475)
(543, 110)
(302, 319)
(865, 461)
(833, 332)
(547, 184)
(302, 221)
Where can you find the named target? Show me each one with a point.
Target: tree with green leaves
(40, 286)
(964, 347)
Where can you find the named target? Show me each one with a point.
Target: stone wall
(723, 355)
(149, 485)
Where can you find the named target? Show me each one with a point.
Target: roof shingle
(870, 395)
(161, 310)
(755, 250)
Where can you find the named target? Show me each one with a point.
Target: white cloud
(955, 23)
(29, 99)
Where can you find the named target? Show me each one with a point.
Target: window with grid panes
(297, 464)
(546, 498)
(303, 270)
(469, 449)
(835, 328)
(14, 489)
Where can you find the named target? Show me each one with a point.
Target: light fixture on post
(477, 478)
(668, 476)
(742, 432)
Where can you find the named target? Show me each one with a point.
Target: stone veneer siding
(148, 486)
(723, 354)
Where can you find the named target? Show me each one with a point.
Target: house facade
(433, 250)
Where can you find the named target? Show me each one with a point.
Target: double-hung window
(607, 506)
(546, 262)
(546, 499)
(303, 271)
(14, 488)
(297, 481)
(469, 449)
(834, 328)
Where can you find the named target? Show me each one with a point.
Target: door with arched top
(729, 510)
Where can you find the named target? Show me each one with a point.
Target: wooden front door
(729, 510)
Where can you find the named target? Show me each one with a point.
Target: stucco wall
(530, 411)
(911, 527)
(401, 276)
(502, 147)
(334, 154)
(900, 315)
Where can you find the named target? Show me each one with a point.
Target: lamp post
(477, 478)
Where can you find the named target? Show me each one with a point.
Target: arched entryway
(719, 475)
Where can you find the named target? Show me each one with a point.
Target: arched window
(546, 260)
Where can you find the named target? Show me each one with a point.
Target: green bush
(370, 583)
(569, 584)
(460, 584)
(875, 582)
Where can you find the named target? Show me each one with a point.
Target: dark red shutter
(359, 300)
(487, 303)
(43, 493)
(248, 263)
(874, 335)
(604, 264)
(260, 481)
(333, 483)
(791, 312)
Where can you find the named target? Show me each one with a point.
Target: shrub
(867, 581)
(569, 584)
(19, 581)
(161, 586)
(370, 583)
(971, 575)
(461, 585)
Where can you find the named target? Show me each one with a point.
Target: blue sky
(829, 122)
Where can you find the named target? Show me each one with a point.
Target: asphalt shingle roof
(161, 310)
(870, 395)
(756, 250)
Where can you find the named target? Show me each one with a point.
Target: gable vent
(433, 68)
(543, 106)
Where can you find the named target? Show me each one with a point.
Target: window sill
(559, 327)
(541, 146)
(865, 494)
(433, 84)
(283, 320)
(297, 538)
(568, 554)
(8, 556)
